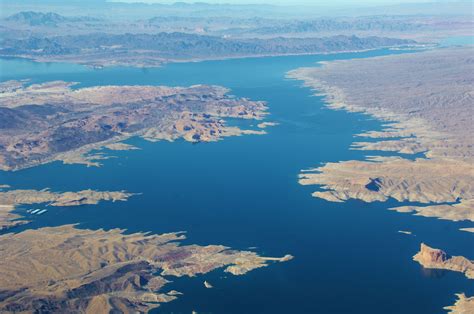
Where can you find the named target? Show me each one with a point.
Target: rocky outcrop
(429, 256)
(438, 259)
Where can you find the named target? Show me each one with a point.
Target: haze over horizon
(297, 2)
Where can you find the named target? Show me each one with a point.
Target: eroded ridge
(10, 199)
(425, 100)
(63, 269)
(52, 121)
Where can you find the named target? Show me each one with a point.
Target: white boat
(35, 211)
(41, 212)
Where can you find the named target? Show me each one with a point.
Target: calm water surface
(243, 192)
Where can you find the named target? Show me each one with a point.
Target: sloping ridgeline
(153, 49)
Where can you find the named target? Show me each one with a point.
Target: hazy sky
(310, 2)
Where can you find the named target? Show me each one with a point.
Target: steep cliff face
(428, 255)
(438, 259)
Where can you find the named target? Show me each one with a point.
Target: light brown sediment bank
(10, 199)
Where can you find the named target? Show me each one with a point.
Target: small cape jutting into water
(10, 199)
(438, 259)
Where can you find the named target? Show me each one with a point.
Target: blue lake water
(457, 41)
(243, 192)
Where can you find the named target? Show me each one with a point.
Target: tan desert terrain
(70, 270)
(425, 101)
(463, 305)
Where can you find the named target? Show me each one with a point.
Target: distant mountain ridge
(325, 24)
(45, 19)
(186, 46)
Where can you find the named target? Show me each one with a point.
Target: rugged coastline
(440, 130)
(438, 84)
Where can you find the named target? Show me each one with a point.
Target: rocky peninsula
(438, 259)
(53, 121)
